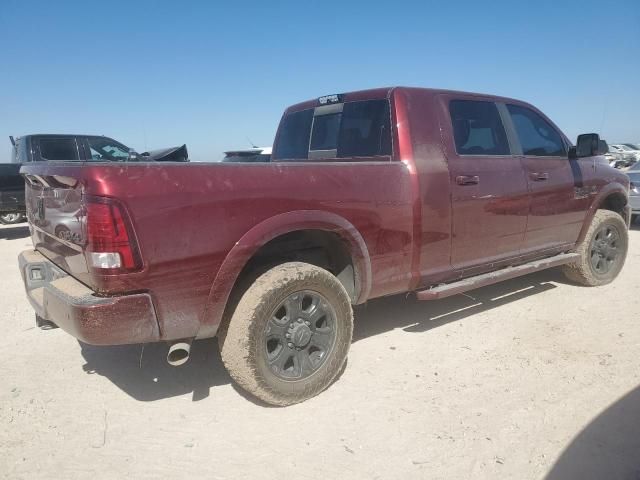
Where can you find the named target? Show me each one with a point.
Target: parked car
(12, 206)
(634, 148)
(634, 191)
(84, 148)
(629, 156)
(612, 157)
(258, 154)
(367, 194)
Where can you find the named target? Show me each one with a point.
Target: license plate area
(38, 274)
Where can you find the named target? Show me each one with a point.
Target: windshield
(107, 149)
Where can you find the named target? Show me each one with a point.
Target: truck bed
(188, 217)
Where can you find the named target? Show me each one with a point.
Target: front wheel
(289, 335)
(602, 252)
(11, 218)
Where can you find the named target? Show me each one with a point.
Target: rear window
(326, 129)
(58, 149)
(293, 138)
(477, 128)
(354, 129)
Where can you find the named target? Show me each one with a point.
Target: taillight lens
(111, 246)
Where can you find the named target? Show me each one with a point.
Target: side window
(58, 149)
(353, 129)
(105, 149)
(477, 128)
(537, 137)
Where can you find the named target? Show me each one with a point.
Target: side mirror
(133, 156)
(603, 147)
(588, 145)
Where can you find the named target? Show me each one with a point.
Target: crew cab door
(489, 199)
(559, 200)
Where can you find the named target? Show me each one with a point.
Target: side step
(449, 289)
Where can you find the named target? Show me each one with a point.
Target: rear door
(489, 189)
(559, 200)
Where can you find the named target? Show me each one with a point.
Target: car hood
(173, 154)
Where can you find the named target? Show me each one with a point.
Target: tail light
(111, 245)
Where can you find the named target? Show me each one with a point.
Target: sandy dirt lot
(532, 378)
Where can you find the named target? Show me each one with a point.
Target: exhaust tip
(178, 354)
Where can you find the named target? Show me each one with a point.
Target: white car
(628, 153)
(257, 154)
(635, 147)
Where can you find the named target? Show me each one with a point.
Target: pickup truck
(57, 147)
(11, 194)
(367, 194)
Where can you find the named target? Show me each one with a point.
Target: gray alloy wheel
(602, 252)
(287, 338)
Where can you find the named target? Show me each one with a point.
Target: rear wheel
(289, 335)
(603, 251)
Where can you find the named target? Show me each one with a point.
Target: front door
(489, 200)
(558, 198)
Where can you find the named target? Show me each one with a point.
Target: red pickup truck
(368, 193)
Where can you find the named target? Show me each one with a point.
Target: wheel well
(318, 247)
(615, 203)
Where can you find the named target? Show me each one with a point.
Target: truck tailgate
(55, 214)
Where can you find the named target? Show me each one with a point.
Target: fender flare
(607, 190)
(267, 230)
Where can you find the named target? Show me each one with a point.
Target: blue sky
(210, 74)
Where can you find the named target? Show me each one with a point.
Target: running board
(449, 289)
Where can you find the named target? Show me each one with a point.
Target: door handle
(468, 180)
(539, 176)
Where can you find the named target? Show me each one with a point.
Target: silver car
(634, 191)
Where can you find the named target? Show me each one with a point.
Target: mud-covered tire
(243, 338)
(583, 270)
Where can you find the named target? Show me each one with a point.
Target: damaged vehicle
(369, 193)
(173, 154)
(78, 148)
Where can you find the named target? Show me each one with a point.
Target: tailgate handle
(468, 180)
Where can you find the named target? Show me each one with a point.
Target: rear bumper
(61, 299)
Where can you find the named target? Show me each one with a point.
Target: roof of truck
(385, 92)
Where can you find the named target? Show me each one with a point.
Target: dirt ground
(532, 378)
